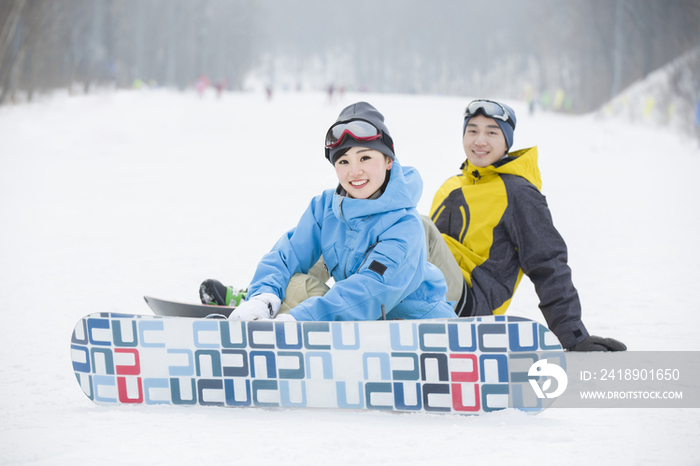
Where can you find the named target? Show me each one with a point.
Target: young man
(368, 231)
(498, 226)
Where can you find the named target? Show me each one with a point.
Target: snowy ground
(109, 197)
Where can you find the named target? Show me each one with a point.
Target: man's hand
(594, 343)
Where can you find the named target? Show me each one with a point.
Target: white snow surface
(112, 196)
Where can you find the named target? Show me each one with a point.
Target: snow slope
(107, 197)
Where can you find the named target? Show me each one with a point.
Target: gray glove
(594, 343)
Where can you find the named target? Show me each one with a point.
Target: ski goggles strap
(359, 130)
(490, 109)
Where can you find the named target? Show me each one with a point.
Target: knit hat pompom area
(505, 126)
(365, 112)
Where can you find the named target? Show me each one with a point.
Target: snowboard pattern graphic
(459, 366)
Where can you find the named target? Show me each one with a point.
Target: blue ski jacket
(374, 249)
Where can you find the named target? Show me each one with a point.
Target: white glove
(286, 317)
(262, 306)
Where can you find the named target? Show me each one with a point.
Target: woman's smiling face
(362, 171)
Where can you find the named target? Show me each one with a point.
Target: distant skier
(498, 226)
(370, 235)
(220, 87)
(201, 84)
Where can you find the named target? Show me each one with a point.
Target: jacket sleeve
(449, 211)
(387, 274)
(295, 252)
(543, 257)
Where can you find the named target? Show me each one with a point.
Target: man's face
(483, 141)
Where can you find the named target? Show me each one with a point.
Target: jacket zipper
(476, 175)
(342, 214)
(364, 259)
(366, 254)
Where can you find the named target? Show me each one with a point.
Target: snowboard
(470, 365)
(161, 307)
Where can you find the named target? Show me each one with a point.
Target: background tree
(582, 52)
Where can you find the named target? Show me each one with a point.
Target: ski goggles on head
(359, 130)
(490, 109)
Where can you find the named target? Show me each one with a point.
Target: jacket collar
(523, 163)
(402, 192)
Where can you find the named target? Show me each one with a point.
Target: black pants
(465, 306)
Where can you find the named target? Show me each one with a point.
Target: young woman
(498, 226)
(368, 232)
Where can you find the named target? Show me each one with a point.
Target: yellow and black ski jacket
(497, 224)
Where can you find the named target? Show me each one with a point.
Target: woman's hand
(264, 306)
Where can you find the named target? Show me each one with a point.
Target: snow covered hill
(109, 197)
(666, 98)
